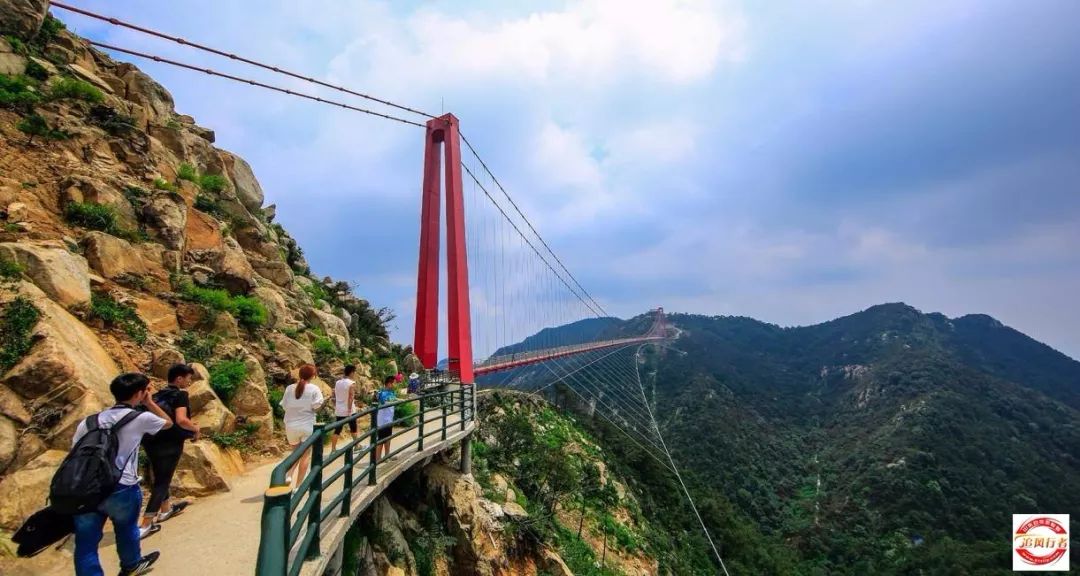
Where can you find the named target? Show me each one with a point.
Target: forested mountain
(884, 442)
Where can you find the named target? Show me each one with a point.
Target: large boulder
(141, 89)
(162, 360)
(277, 311)
(206, 469)
(11, 63)
(62, 275)
(207, 409)
(117, 259)
(166, 213)
(26, 490)
(275, 271)
(67, 364)
(159, 316)
(203, 232)
(334, 327)
(22, 18)
(235, 273)
(247, 188)
(250, 400)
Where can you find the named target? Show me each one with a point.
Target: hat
(414, 376)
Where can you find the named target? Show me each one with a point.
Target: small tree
(33, 125)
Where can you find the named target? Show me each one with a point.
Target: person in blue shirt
(385, 418)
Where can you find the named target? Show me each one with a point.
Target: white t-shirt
(130, 437)
(343, 401)
(300, 412)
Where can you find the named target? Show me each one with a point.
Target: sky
(788, 161)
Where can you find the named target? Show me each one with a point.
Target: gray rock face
(22, 18)
(248, 190)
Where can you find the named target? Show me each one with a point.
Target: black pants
(164, 456)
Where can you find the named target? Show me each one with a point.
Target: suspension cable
(204, 48)
(251, 82)
(637, 373)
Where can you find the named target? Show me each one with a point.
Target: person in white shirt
(300, 402)
(130, 390)
(344, 404)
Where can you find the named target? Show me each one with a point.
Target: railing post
(446, 402)
(461, 391)
(346, 504)
(423, 417)
(315, 490)
(373, 438)
(274, 540)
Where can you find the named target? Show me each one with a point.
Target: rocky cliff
(128, 242)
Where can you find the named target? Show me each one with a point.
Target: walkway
(219, 534)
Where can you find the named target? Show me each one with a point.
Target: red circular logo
(1041, 547)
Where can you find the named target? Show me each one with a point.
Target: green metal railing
(292, 520)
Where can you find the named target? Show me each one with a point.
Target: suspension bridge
(515, 317)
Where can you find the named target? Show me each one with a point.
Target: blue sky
(790, 161)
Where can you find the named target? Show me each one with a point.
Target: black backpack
(88, 475)
(165, 399)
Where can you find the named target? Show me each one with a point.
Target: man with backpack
(165, 448)
(99, 479)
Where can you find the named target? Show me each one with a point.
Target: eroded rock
(62, 275)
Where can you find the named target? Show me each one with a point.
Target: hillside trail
(218, 534)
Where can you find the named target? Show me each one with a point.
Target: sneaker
(172, 511)
(153, 528)
(143, 565)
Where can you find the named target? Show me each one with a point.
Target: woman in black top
(165, 448)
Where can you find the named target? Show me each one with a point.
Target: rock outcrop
(22, 18)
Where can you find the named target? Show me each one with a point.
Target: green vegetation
(209, 183)
(49, 31)
(35, 125)
(10, 270)
(187, 172)
(430, 544)
(324, 349)
(226, 377)
(274, 396)
(115, 314)
(408, 411)
(248, 311)
(18, 93)
(241, 438)
(162, 184)
(196, 348)
(75, 89)
(36, 71)
(100, 217)
(17, 321)
(111, 121)
(211, 206)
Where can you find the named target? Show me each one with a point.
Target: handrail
(292, 520)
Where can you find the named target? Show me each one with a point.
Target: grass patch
(115, 314)
(211, 206)
(75, 89)
(187, 172)
(100, 217)
(226, 377)
(213, 183)
(241, 438)
(162, 184)
(16, 331)
(10, 271)
(17, 93)
(324, 349)
(248, 311)
(35, 126)
(196, 348)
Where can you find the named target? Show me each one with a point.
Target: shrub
(317, 291)
(226, 377)
(49, 30)
(162, 184)
(213, 298)
(17, 45)
(324, 349)
(16, 94)
(16, 330)
(408, 411)
(111, 121)
(115, 314)
(196, 348)
(274, 396)
(91, 215)
(210, 206)
(187, 172)
(36, 71)
(250, 312)
(75, 89)
(213, 183)
(10, 270)
(35, 125)
(239, 438)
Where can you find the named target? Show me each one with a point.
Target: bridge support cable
(674, 468)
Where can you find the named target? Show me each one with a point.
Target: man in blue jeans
(123, 506)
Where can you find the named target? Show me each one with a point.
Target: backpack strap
(125, 420)
(92, 422)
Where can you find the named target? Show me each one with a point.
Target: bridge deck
(219, 534)
(509, 361)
